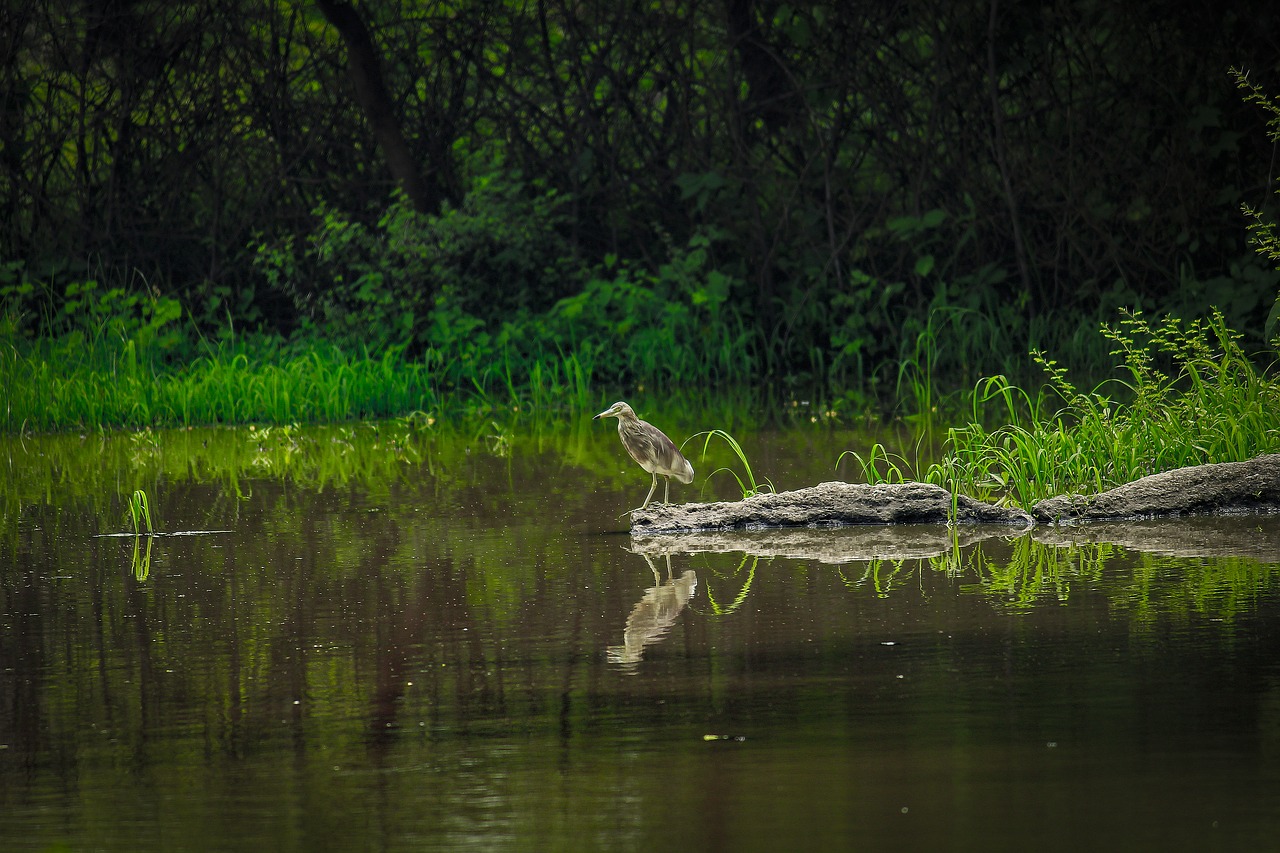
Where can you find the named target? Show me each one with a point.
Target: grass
(1186, 394)
(747, 481)
(880, 465)
(74, 383)
(140, 512)
(123, 356)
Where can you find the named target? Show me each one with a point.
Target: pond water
(412, 640)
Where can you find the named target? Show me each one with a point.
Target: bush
(421, 281)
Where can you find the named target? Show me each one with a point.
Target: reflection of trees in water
(653, 615)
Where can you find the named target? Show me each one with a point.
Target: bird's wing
(668, 456)
(645, 447)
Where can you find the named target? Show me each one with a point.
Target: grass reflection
(1034, 573)
(418, 479)
(882, 576)
(1021, 574)
(718, 609)
(1219, 588)
(140, 563)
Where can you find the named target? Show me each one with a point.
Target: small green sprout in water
(140, 512)
(417, 420)
(499, 441)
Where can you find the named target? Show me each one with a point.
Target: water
(449, 642)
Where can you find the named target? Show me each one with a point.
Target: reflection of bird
(653, 616)
(651, 449)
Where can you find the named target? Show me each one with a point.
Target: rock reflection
(833, 545)
(1016, 570)
(1251, 535)
(653, 615)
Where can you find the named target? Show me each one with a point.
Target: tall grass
(1187, 394)
(77, 382)
(880, 465)
(54, 387)
(747, 483)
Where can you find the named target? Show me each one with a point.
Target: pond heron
(651, 449)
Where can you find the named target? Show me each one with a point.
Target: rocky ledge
(827, 505)
(1227, 487)
(1224, 487)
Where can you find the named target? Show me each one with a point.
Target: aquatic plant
(747, 482)
(140, 512)
(880, 465)
(139, 509)
(140, 561)
(1187, 394)
(499, 440)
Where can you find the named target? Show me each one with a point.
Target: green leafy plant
(672, 326)
(1186, 394)
(139, 506)
(880, 465)
(441, 282)
(747, 483)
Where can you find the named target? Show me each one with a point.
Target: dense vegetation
(1186, 394)
(235, 211)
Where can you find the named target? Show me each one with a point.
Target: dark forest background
(787, 191)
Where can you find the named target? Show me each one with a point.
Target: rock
(827, 505)
(1222, 488)
(1217, 488)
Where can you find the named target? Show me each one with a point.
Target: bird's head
(617, 410)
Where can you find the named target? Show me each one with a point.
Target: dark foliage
(843, 168)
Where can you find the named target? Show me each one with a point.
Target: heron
(651, 449)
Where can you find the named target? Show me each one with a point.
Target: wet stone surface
(1225, 488)
(828, 504)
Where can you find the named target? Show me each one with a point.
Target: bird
(651, 449)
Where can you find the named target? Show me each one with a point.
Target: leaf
(933, 218)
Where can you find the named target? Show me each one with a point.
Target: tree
(365, 70)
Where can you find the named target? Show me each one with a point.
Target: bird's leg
(666, 493)
(649, 496)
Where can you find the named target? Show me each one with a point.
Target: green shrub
(674, 326)
(420, 280)
(1187, 394)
